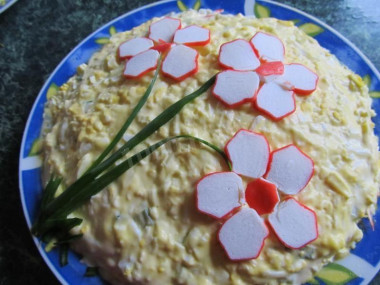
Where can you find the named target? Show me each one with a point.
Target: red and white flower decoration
(221, 196)
(165, 36)
(255, 73)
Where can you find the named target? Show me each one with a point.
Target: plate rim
(7, 6)
(42, 252)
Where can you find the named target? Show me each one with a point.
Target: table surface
(36, 35)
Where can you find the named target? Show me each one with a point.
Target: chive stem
(63, 206)
(129, 121)
(74, 189)
(53, 223)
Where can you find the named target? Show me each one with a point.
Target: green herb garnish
(52, 223)
(130, 119)
(67, 202)
(50, 190)
(55, 208)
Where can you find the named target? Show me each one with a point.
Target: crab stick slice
(298, 78)
(262, 196)
(180, 62)
(192, 36)
(219, 193)
(290, 169)
(294, 224)
(270, 68)
(275, 101)
(162, 46)
(234, 88)
(242, 236)
(134, 46)
(248, 153)
(238, 55)
(141, 63)
(268, 47)
(164, 29)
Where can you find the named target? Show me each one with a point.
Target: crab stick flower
(254, 72)
(220, 195)
(165, 37)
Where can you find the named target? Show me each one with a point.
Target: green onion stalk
(53, 225)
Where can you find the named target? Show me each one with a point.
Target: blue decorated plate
(358, 268)
(5, 4)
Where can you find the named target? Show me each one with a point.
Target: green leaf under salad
(182, 6)
(52, 91)
(197, 5)
(311, 29)
(335, 274)
(36, 147)
(261, 11)
(102, 41)
(367, 80)
(374, 94)
(112, 30)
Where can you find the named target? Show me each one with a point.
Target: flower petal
(164, 29)
(275, 101)
(268, 47)
(134, 46)
(192, 36)
(141, 63)
(243, 235)
(219, 193)
(294, 223)
(290, 169)
(249, 153)
(180, 62)
(298, 78)
(238, 55)
(234, 88)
